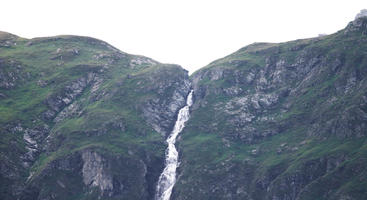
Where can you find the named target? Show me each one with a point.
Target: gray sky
(190, 33)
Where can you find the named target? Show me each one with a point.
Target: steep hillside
(280, 121)
(80, 119)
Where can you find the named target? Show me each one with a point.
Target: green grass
(210, 142)
(122, 94)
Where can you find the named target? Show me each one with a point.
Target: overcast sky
(191, 33)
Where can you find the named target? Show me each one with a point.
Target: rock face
(95, 172)
(93, 175)
(279, 121)
(68, 94)
(83, 120)
(161, 112)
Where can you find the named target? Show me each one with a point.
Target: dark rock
(56, 103)
(161, 112)
(358, 25)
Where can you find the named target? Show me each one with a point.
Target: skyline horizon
(191, 34)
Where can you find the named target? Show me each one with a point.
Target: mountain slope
(80, 119)
(280, 121)
(83, 120)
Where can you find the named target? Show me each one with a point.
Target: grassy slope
(123, 91)
(207, 156)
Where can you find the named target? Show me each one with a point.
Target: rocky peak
(363, 13)
(359, 24)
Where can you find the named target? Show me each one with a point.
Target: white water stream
(168, 177)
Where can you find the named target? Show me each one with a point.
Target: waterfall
(167, 179)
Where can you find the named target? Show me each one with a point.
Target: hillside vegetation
(79, 119)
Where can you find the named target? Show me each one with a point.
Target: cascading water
(168, 177)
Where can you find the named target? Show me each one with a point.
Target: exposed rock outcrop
(56, 103)
(96, 172)
(11, 73)
(161, 112)
(363, 13)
